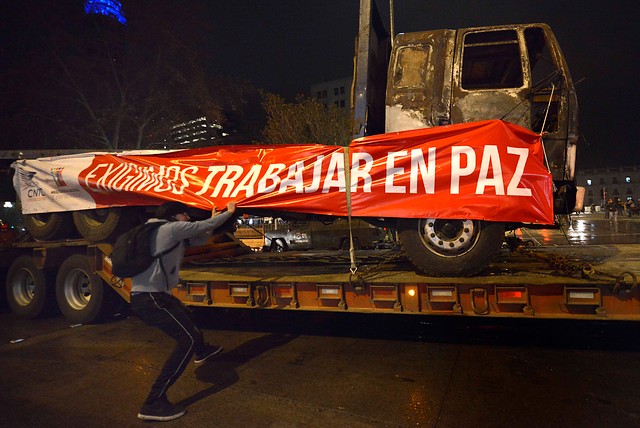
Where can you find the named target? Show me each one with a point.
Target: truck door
(554, 103)
(489, 78)
(518, 74)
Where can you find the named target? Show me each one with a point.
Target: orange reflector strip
(511, 294)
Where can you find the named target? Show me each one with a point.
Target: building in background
(600, 183)
(336, 92)
(200, 132)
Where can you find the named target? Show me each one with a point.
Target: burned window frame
(420, 70)
(546, 81)
(481, 69)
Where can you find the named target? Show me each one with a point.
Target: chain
(358, 279)
(557, 262)
(573, 268)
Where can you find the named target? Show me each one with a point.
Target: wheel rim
(277, 245)
(97, 217)
(449, 237)
(23, 287)
(41, 220)
(77, 289)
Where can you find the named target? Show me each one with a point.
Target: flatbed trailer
(563, 282)
(597, 285)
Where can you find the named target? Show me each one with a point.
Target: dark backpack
(131, 253)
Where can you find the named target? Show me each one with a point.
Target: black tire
(29, 290)
(279, 245)
(105, 224)
(81, 294)
(49, 226)
(345, 244)
(3, 293)
(450, 247)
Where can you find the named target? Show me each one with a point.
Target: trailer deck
(548, 282)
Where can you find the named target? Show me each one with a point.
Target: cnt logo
(56, 173)
(31, 188)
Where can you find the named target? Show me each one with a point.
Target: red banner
(489, 170)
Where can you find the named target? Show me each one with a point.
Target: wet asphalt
(304, 369)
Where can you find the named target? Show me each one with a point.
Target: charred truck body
(515, 73)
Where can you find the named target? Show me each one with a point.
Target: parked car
(318, 235)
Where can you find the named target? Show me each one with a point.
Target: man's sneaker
(207, 351)
(161, 410)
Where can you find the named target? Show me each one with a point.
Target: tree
(91, 82)
(306, 121)
(241, 103)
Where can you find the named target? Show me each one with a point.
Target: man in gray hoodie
(153, 303)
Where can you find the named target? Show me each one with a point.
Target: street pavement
(321, 370)
(588, 229)
(297, 369)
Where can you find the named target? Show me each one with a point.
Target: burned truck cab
(516, 73)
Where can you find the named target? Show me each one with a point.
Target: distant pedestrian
(620, 207)
(612, 209)
(630, 206)
(153, 303)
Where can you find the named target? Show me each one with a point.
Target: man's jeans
(164, 311)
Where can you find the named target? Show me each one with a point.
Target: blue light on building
(109, 8)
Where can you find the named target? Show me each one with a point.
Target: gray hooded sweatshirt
(183, 233)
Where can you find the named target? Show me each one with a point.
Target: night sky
(285, 46)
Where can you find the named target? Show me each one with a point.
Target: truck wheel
(82, 296)
(450, 247)
(49, 226)
(279, 245)
(345, 244)
(28, 289)
(104, 224)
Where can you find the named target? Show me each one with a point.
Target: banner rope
(544, 123)
(347, 178)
